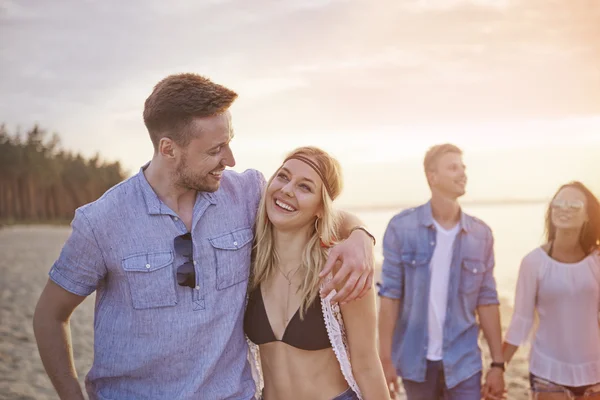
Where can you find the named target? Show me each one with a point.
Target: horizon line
(479, 202)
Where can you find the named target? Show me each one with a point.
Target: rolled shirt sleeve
(80, 266)
(392, 274)
(488, 294)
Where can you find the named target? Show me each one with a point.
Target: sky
(515, 83)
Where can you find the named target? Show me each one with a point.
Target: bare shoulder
(360, 308)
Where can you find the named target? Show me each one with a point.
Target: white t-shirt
(438, 290)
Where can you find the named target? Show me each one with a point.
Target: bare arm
(488, 311)
(508, 351)
(388, 315)
(356, 253)
(391, 293)
(489, 319)
(53, 335)
(360, 320)
(487, 305)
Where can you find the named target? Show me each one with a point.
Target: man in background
(437, 275)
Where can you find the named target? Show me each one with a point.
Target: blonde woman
(309, 348)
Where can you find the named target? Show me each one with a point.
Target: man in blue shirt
(168, 254)
(437, 275)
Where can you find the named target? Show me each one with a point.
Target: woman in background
(561, 282)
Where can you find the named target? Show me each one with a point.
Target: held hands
(356, 255)
(493, 388)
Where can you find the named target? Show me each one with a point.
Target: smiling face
(294, 196)
(569, 209)
(201, 163)
(448, 176)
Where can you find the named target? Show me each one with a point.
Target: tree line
(41, 182)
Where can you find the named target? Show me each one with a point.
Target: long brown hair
(265, 257)
(589, 238)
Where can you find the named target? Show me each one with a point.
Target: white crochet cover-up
(337, 337)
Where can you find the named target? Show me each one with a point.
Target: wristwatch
(497, 365)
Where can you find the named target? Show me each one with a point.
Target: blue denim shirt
(154, 339)
(408, 246)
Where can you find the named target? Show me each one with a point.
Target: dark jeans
(434, 387)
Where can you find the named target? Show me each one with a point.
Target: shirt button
(148, 266)
(474, 270)
(195, 262)
(432, 243)
(197, 288)
(175, 219)
(235, 243)
(414, 262)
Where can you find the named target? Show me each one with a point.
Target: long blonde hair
(314, 256)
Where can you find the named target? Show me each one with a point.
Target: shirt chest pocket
(415, 267)
(151, 279)
(232, 255)
(414, 260)
(471, 275)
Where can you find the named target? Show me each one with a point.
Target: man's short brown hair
(436, 152)
(177, 100)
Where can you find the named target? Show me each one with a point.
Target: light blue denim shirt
(408, 246)
(154, 339)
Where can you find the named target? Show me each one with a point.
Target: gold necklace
(287, 300)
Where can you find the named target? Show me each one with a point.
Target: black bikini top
(307, 334)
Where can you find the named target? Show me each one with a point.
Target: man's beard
(192, 182)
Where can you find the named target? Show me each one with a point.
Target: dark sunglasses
(186, 274)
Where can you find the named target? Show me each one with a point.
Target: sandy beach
(27, 254)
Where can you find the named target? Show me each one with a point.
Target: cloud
(445, 5)
(264, 87)
(390, 56)
(84, 68)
